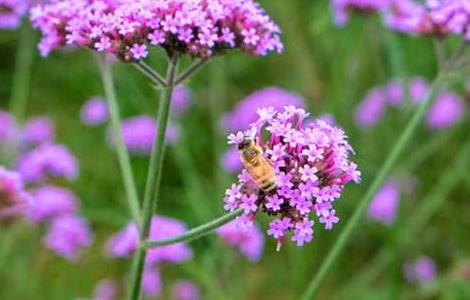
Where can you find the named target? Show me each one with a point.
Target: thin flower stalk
(190, 71)
(123, 156)
(196, 232)
(374, 187)
(154, 175)
(150, 73)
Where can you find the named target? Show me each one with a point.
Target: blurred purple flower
(249, 240)
(94, 112)
(13, 198)
(311, 165)
(404, 15)
(245, 112)
(383, 207)
(11, 13)
(181, 100)
(151, 282)
(343, 9)
(38, 131)
(7, 127)
(197, 28)
(447, 109)
(231, 161)
(139, 134)
(125, 242)
(185, 290)
(371, 109)
(418, 89)
(67, 235)
(48, 161)
(51, 202)
(105, 289)
(394, 93)
(422, 270)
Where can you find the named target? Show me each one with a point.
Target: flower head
(248, 240)
(94, 111)
(13, 198)
(11, 12)
(7, 127)
(185, 290)
(342, 9)
(446, 111)
(421, 270)
(371, 109)
(51, 202)
(139, 134)
(181, 100)
(383, 207)
(46, 161)
(38, 131)
(306, 179)
(67, 235)
(151, 282)
(199, 28)
(125, 242)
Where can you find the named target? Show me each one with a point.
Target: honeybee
(257, 165)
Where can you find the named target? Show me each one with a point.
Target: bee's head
(247, 142)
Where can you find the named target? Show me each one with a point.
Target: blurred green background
(332, 68)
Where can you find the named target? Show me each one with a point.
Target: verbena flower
(445, 111)
(311, 164)
(422, 270)
(245, 112)
(38, 130)
(105, 289)
(126, 241)
(94, 111)
(371, 109)
(200, 28)
(231, 161)
(249, 240)
(67, 236)
(48, 161)
(7, 127)
(13, 197)
(151, 282)
(384, 206)
(185, 290)
(139, 134)
(343, 9)
(11, 13)
(181, 100)
(51, 202)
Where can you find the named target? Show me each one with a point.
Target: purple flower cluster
(125, 242)
(94, 112)
(13, 197)
(39, 130)
(311, 164)
(245, 114)
(421, 270)
(11, 13)
(181, 100)
(51, 202)
(248, 240)
(139, 134)
(384, 206)
(343, 9)
(48, 161)
(438, 18)
(185, 290)
(200, 28)
(447, 109)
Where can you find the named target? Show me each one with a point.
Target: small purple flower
(105, 289)
(422, 270)
(181, 100)
(371, 109)
(246, 111)
(38, 131)
(48, 161)
(151, 282)
(394, 93)
(418, 89)
(125, 242)
(231, 161)
(11, 13)
(139, 134)
(67, 236)
(7, 128)
(311, 165)
(446, 111)
(248, 240)
(383, 207)
(139, 51)
(185, 290)
(51, 202)
(13, 198)
(342, 9)
(94, 111)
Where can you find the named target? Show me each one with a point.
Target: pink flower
(447, 109)
(384, 206)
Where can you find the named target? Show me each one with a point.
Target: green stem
(190, 71)
(154, 175)
(374, 187)
(196, 232)
(123, 156)
(22, 73)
